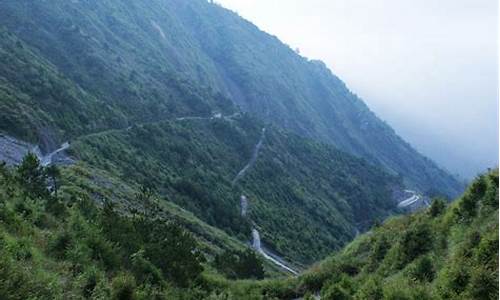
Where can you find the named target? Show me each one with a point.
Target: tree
(437, 207)
(423, 270)
(416, 241)
(335, 292)
(53, 173)
(32, 177)
(145, 197)
(240, 264)
(371, 289)
(174, 251)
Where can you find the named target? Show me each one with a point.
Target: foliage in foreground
(70, 248)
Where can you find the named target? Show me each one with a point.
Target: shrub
(483, 284)
(335, 292)
(144, 270)
(123, 287)
(437, 207)
(416, 241)
(371, 289)
(59, 243)
(423, 270)
(240, 264)
(453, 280)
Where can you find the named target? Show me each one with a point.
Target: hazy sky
(427, 67)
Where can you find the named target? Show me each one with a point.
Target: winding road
(243, 205)
(46, 160)
(257, 246)
(250, 163)
(256, 243)
(414, 198)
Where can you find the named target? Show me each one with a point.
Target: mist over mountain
(433, 77)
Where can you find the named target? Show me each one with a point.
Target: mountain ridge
(218, 58)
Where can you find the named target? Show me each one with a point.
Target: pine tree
(32, 177)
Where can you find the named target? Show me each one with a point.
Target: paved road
(257, 246)
(414, 198)
(46, 160)
(252, 160)
(243, 205)
(256, 243)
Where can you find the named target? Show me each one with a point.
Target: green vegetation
(300, 192)
(68, 247)
(448, 253)
(149, 210)
(138, 247)
(238, 265)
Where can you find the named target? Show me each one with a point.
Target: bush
(91, 278)
(335, 292)
(240, 264)
(370, 290)
(437, 207)
(144, 270)
(483, 284)
(416, 241)
(59, 243)
(123, 287)
(454, 280)
(423, 270)
(338, 289)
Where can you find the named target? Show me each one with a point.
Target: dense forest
(193, 163)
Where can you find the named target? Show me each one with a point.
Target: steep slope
(301, 192)
(438, 253)
(39, 104)
(151, 60)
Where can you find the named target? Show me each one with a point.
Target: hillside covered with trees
(75, 67)
(300, 192)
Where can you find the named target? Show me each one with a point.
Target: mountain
(169, 149)
(442, 252)
(150, 61)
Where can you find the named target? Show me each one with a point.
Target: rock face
(13, 150)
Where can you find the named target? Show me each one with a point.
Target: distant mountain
(144, 61)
